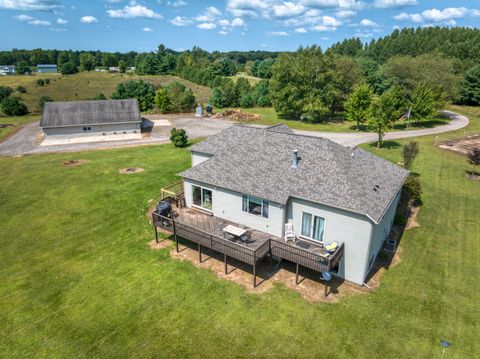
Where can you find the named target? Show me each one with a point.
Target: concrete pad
(159, 123)
(57, 140)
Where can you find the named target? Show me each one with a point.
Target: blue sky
(140, 25)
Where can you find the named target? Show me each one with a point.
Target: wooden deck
(205, 230)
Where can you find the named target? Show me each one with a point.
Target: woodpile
(237, 115)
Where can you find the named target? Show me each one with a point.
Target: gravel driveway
(23, 142)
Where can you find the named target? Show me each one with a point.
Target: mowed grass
(17, 122)
(86, 85)
(79, 280)
(270, 117)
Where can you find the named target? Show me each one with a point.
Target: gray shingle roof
(78, 113)
(258, 162)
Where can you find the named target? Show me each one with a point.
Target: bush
(40, 82)
(99, 97)
(247, 101)
(410, 152)
(69, 68)
(47, 81)
(178, 137)
(414, 189)
(162, 101)
(400, 219)
(21, 89)
(143, 91)
(42, 100)
(5, 91)
(12, 106)
(181, 98)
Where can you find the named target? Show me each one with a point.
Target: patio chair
(289, 233)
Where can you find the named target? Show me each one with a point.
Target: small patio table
(235, 231)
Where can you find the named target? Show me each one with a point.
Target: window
(202, 197)
(85, 129)
(313, 227)
(255, 205)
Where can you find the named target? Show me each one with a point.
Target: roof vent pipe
(295, 159)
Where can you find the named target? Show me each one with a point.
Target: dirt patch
(412, 219)
(5, 125)
(74, 163)
(472, 176)
(237, 115)
(130, 170)
(463, 145)
(163, 243)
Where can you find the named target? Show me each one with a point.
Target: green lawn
(271, 117)
(86, 85)
(17, 122)
(78, 279)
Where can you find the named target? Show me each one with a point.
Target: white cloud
(237, 22)
(223, 22)
(178, 3)
(88, 20)
(301, 30)
(323, 4)
(287, 9)
(58, 29)
(61, 21)
(210, 14)
(247, 8)
(447, 15)
(33, 5)
(368, 23)
(40, 22)
(133, 11)
(147, 29)
(23, 17)
(207, 26)
(384, 4)
(344, 14)
(277, 33)
(181, 21)
(223, 32)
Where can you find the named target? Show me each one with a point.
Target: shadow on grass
(422, 124)
(389, 145)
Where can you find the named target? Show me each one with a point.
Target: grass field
(86, 85)
(253, 80)
(78, 279)
(271, 117)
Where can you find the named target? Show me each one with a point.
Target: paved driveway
(24, 141)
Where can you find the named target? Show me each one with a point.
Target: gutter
(92, 124)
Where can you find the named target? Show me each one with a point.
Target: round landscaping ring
(130, 170)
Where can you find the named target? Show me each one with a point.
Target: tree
(474, 158)
(181, 98)
(62, 58)
(143, 91)
(384, 110)
(178, 137)
(470, 87)
(242, 87)
(12, 106)
(263, 69)
(122, 66)
(108, 59)
(358, 104)
(42, 100)
(261, 94)
(247, 101)
(22, 67)
(87, 62)
(218, 99)
(423, 103)
(147, 64)
(224, 67)
(5, 91)
(162, 101)
(414, 189)
(410, 152)
(69, 68)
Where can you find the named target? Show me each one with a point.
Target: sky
(223, 25)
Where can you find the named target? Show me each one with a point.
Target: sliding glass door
(202, 197)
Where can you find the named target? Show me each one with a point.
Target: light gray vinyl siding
(342, 226)
(228, 205)
(198, 157)
(381, 230)
(97, 130)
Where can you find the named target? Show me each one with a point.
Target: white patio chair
(289, 233)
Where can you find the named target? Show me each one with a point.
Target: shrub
(5, 91)
(21, 89)
(178, 137)
(47, 81)
(12, 106)
(42, 100)
(474, 159)
(400, 219)
(247, 101)
(69, 68)
(414, 189)
(40, 82)
(162, 101)
(143, 91)
(410, 152)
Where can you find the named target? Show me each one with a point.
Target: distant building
(90, 121)
(114, 69)
(46, 68)
(7, 70)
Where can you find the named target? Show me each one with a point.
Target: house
(90, 121)
(266, 178)
(114, 69)
(7, 70)
(47, 68)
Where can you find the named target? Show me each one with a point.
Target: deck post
(254, 274)
(156, 232)
(326, 289)
(225, 259)
(296, 274)
(199, 252)
(175, 235)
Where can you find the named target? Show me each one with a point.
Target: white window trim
(201, 198)
(311, 228)
(256, 215)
